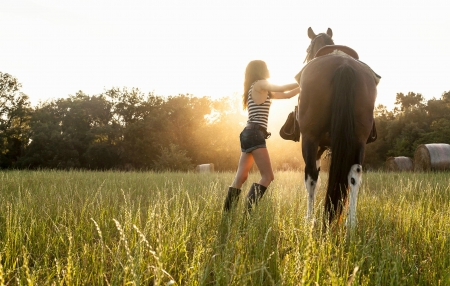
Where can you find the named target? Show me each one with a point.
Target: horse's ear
(311, 33)
(330, 33)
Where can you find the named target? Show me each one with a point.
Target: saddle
(338, 50)
(328, 49)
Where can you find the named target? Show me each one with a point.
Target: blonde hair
(256, 70)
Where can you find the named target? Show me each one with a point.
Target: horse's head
(317, 42)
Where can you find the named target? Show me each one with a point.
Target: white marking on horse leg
(354, 182)
(318, 179)
(311, 190)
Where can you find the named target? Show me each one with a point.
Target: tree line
(412, 122)
(121, 128)
(126, 129)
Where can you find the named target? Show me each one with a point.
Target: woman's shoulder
(261, 84)
(260, 91)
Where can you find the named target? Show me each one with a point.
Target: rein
(311, 47)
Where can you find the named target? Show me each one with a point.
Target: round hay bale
(432, 157)
(399, 164)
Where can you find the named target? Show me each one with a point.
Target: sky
(56, 48)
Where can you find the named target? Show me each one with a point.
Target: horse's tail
(343, 140)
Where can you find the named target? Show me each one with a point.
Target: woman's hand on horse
(261, 85)
(260, 89)
(284, 95)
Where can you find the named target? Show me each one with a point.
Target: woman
(257, 96)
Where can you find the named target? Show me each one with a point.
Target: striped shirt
(258, 113)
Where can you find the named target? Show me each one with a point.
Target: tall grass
(112, 228)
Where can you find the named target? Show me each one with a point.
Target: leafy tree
(9, 87)
(409, 101)
(102, 156)
(172, 158)
(63, 130)
(44, 138)
(139, 121)
(376, 152)
(102, 150)
(439, 133)
(437, 108)
(182, 120)
(446, 96)
(15, 112)
(218, 139)
(407, 126)
(406, 142)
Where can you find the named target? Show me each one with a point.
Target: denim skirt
(252, 139)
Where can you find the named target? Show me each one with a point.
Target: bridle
(311, 48)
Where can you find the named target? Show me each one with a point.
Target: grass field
(112, 228)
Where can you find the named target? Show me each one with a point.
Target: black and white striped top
(258, 113)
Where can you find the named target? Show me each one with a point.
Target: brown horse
(336, 105)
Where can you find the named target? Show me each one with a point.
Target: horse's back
(316, 85)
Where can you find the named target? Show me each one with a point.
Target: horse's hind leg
(354, 183)
(312, 161)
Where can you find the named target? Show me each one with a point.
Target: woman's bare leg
(262, 160)
(257, 190)
(245, 163)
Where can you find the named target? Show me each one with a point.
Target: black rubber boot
(232, 196)
(254, 195)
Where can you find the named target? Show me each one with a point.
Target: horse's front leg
(354, 182)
